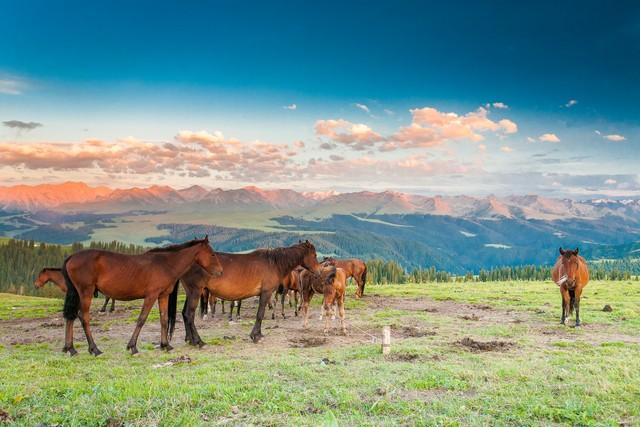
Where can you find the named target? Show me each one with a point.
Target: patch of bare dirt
(413, 332)
(480, 346)
(607, 308)
(305, 342)
(5, 418)
(471, 317)
(402, 357)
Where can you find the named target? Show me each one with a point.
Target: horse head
(41, 279)
(310, 260)
(570, 265)
(207, 259)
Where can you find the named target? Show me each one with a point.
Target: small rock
(607, 308)
(235, 410)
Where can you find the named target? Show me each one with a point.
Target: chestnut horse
(355, 268)
(152, 275)
(54, 275)
(331, 283)
(290, 285)
(257, 273)
(572, 274)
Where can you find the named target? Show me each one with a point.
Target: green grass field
(528, 370)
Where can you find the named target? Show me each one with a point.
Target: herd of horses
(208, 276)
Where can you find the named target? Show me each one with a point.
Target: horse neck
(181, 261)
(55, 277)
(291, 261)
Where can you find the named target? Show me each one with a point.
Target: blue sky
(374, 86)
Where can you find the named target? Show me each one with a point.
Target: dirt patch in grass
(5, 418)
(412, 332)
(471, 317)
(480, 346)
(305, 342)
(402, 357)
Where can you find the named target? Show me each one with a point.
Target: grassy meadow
(462, 354)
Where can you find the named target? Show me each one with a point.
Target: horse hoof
(201, 344)
(134, 350)
(256, 338)
(578, 325)
(166, 347)
(96, 352)
(205, 318)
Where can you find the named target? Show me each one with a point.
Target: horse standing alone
(572, 274)
(152, 275)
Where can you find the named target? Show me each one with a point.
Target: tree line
(22, 260)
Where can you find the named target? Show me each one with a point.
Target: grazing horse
(152, 275)
(572, 274)
(54, 275)
(331, 283)
(355, 268)
(257, 273)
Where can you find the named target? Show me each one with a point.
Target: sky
(467, 97)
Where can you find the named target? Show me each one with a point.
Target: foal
(331, 283)
(54, 275)
(152, 275)
(572, 274)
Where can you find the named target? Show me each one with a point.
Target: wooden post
(386, 340)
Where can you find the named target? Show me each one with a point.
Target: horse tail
(572, 303)
(364, 277)
(173, 308)
(72, 299)
(204, 302)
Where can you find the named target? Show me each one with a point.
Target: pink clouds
(549, 137)
(429, 127)
(355, 135)
(195, 154)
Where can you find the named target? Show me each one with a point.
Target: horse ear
(206, 238)
(561, 251)
(576, 251)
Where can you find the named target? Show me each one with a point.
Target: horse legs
(565, 304)
(142, 318)
(326, 306)
(68, 339)
(295, 305)
(239, 304)
(340, 303)
(104, 306)
(163, 305)
(213, 306)
(232, 304)
(578, 293)
(187, 327)
(189, 317)
(282, 303)
(113, 305)
(222, 304)
(256, 332)
(85, 306)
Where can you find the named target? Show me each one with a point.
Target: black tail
(572, 303)
(72, 300)
(204, 302)
(173, 308)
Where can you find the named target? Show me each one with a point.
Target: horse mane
(50, 269)
(176, 247)
(287, 258)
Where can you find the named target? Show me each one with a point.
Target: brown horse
(257, 273)
(331, 283)
(152, 275)
(290, 286)
(208, 304)
(355, 268)
(54, 275)
(572, 274)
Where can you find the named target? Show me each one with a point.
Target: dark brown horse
(152, 276)
(572, 274)
(258, 273)
(54, 275)
(355, 268)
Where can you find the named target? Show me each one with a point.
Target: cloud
(506, 149)
(195, 154)
(10, 86)
(529, 139)
(615, 137)
(355, 135)
(22, 126)
(363, 108)
(548, 137)
(482, 147)
(610, 181)
(290, 107)
(336, 158)
(570, 103)
(389, 112)
(498, 105)
(298, 144)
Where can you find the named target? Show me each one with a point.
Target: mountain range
(416, 230)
